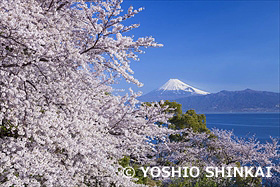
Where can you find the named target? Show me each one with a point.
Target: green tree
(189, 120)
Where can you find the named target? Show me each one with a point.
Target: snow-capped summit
(176, 84)
(172, 90)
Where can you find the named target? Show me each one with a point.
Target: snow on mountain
(172, 90)
(176, 84)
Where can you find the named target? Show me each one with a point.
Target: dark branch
(14, 65)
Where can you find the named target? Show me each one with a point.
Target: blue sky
(211, 45)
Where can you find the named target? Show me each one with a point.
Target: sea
(245, 125)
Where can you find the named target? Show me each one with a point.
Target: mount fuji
(172, 90)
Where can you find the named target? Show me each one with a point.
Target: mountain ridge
(247, 100)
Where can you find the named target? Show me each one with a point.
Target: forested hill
(233, 101)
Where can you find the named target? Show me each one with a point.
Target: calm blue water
(262, 125)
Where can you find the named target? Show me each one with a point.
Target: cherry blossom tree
(60, 124)
(222, 148)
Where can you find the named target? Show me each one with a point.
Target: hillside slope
(233, 101)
